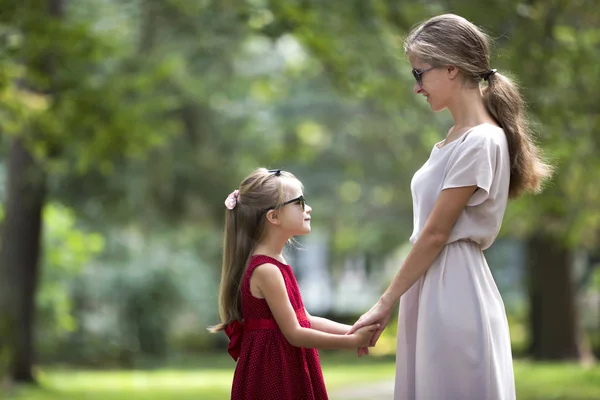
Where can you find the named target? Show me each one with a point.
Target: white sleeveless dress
(453, 337)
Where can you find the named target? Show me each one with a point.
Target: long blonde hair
(452, 40)
(244, 227)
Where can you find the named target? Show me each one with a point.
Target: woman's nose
(417, 88)
(308, 209)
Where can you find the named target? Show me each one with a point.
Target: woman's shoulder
(485, 135)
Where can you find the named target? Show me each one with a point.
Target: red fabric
(269, 367)
(235, 331)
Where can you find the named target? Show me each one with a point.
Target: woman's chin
(436, 108)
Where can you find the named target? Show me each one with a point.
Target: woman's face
(434, 83)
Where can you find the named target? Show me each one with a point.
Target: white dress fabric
(453, 337)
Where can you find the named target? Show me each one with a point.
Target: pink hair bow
(232, 199)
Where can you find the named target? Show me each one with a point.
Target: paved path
(374, 391)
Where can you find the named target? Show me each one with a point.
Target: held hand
(379, 331)
(362, 351)
(364, 335)
(378, 314)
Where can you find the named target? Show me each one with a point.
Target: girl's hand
(379, 314)
(363, 351)
(364, 335)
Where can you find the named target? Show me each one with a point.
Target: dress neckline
(458, 139)
(271, 258)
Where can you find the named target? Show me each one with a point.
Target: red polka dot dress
(269, 367)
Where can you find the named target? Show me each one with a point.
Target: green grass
(210, 379)
(557, 381)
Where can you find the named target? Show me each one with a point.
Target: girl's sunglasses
(418, 75)
(300, 200)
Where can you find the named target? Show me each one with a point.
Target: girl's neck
(272, 246)
(264, 251)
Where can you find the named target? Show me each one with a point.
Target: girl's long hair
(244, 227)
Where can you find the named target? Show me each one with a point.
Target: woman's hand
(363, 335)
(380, 314)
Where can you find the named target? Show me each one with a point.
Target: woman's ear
(273, 217)
(452, 71)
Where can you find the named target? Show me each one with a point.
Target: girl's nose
(308, 209)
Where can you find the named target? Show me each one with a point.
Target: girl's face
(295, 216)
(434, 83)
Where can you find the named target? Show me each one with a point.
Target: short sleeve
(473, 164)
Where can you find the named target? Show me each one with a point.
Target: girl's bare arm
(271, 285)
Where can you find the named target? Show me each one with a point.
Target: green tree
(553, 48)
(63, 96)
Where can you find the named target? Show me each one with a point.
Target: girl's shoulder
(260, 259)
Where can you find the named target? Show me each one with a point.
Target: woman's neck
(468, 110)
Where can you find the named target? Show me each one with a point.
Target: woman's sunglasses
(418, 75)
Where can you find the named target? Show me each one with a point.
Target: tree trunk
(554, 325)
(21, 242)
(19, 255)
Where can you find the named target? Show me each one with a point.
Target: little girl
(272, 336)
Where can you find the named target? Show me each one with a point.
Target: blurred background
(125, 124)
